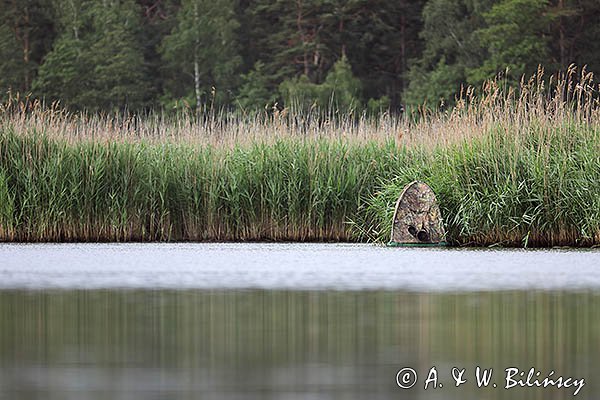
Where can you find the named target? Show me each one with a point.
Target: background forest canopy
(140, 55)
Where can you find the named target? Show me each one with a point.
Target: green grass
(513, 168)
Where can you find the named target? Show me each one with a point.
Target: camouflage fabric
(417, 217)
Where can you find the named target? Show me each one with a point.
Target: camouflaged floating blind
(417, 217)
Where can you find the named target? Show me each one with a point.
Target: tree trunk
(197, 82)
(403, 63)
(196, 63)
(75, 20)
(26, 48)
(21, 29)
(302, 36)
(561, 40)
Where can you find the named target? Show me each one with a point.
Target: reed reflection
(282, 344)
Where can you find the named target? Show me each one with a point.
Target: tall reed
(288, 189)
(510, 167)
(525, 173)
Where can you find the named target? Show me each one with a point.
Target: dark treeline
(107, 55)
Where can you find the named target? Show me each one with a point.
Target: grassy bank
(512, 168)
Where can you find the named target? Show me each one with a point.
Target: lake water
(294, 321)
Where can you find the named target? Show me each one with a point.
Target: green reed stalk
(518, 168)
(53, 190)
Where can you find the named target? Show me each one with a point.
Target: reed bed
(510, 167)
(288, 189)
(525, 173)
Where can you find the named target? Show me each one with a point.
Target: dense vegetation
(140, 55)
(509, 168)
(290, 188)
(143, 119)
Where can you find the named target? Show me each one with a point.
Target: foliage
(141, 55)
(64, 73)
(201, 51)
(25, 37)
(11, 66)
(517, 38)
(117, 58)
(253, 94)
(101, 69)
(451, 50)
(378, 106)
(340, 91)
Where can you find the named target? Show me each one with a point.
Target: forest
(251, 55)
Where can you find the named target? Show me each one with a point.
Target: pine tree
(340, 92)
(585, 31)
(287, 37)
(65, 68)
(97, 62)
(202, 53)
(158, 19)
(451, 50)
(307, 37)
(26, 33)
(12, 65)
(574, 33)
(254, 94)
(342, 88)
(517, 36)
(64, 74)
(378, 37)
(116, 56)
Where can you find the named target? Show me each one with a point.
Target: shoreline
(447, 246)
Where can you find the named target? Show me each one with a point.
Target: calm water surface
(293, 267)
(289, 321)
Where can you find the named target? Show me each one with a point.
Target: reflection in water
(288, 344)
